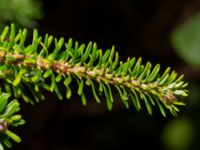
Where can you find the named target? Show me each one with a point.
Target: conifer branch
(27, 66)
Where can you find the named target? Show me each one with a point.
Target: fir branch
(9, 118)
(27, 66)
(103, 74)
(33, 63)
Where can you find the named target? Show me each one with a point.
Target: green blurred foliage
(186, 40)
(22, 12)
(183, 133)
(178, 134)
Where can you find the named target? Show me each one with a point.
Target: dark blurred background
(137, 28)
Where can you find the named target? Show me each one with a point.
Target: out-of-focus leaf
(186, 40)
(178, 134)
